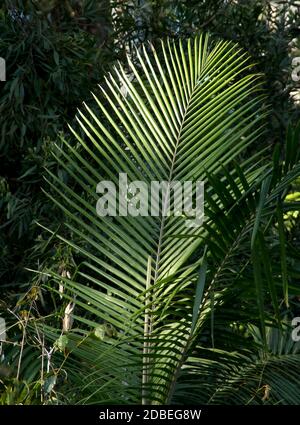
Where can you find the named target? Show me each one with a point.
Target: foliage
(53, 58)
(132, 310)
(162, 310)
(66, 47)
(268, 30)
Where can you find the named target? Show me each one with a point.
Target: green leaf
(189, 113)
(262, 199)
(61, 343)
(283, 256)
(199, 292)
(49, 384)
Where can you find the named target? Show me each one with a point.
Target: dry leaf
(267, 390)
(68, 318)
(66, 274)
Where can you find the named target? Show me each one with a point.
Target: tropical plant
(163, 312)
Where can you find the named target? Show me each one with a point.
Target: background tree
(55, 53)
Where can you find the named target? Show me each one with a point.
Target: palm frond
(147, 281)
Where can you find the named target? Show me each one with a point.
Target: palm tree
(163, 312)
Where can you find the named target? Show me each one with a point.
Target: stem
(147, 332)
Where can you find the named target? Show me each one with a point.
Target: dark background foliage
(56, 52)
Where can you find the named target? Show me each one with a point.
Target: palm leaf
(189, 112)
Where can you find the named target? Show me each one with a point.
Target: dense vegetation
(145, 309)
